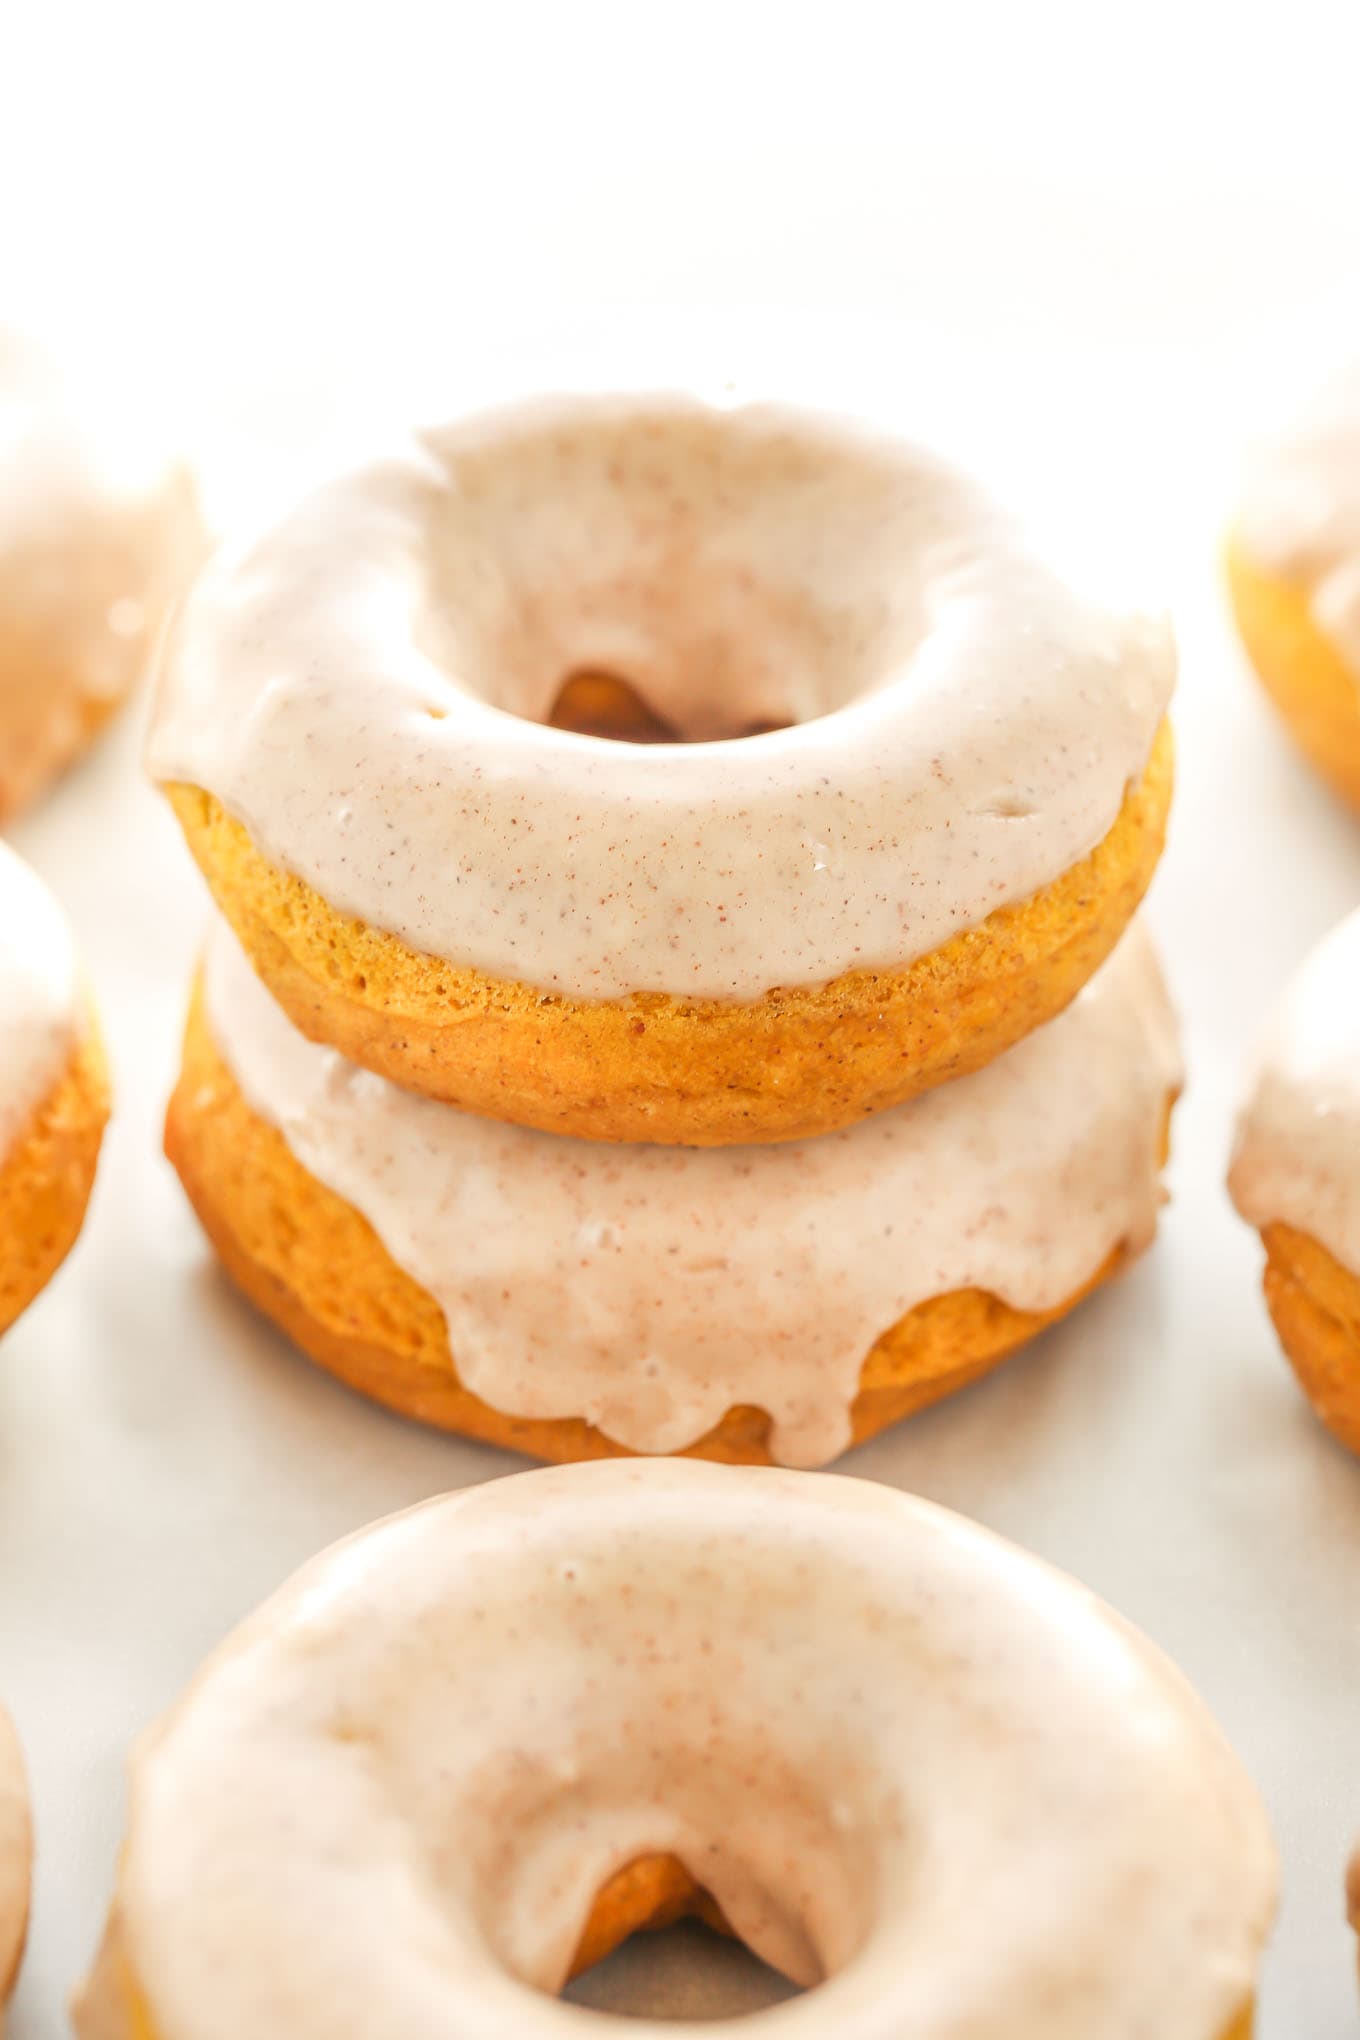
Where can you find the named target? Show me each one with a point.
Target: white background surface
(1073, 231)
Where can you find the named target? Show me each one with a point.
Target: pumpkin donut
(97, 536)
(16, 1859)
(1294, 576)
(905, 1762)
(953, 799)
(570, 1299)
(53, 1089)
(1296, 1177)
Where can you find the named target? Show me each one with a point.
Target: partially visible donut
(16, 1859)
(1296, 1176)
(906, 1763)
(98, 533)
(1294, 576)
(53, 1089)
(570, 1299)
(953, 804)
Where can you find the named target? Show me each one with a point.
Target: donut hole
(603, 705)
(654, 572)
(789, 1889)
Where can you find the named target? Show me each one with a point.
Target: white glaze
(1297, 1158)
(16, 1856)
(365, 688)
(40, 1012)
(650, 1289)
(899, 1752)
(98, 530)
(1300, 513)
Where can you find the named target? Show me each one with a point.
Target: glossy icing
(366, 689)
(1297, 1156)
(650, 1288)
(901, 1754)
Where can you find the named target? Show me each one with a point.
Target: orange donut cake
(53, 1089)
(16, 1859)
(904, 1762)
(1296, 1177)
(1294, 575)
(570, 1298)
(96, 538)
(952, 803)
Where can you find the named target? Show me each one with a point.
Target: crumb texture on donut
(47, 1176)
(1312, 683)
(1315, 1305)
(656, 1068)
(769, 1301)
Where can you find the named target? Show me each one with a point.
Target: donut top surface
(98, 528)
(1297, 1157)
(16, 1856)
(901, 1755)
(651, 1289)
(1300, 513)
(40, 1007)
(367, 689)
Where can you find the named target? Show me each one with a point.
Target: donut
(1294, 577)
(97, 535)
(570, 1298)
(901, 1759)
(1295, 1176)
(16, 1859)
(904, 787)
(53, 1089)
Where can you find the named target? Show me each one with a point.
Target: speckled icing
(1297, 1159)
(901, 1755)
(650, 1289)
(40, 1018)
(366, 687)
(98, 529)
(1300, 514)
(16, 1856)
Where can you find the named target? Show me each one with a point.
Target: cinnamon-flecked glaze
(99, 529)
(16, 1858)
(1297, 1157)
(366, 690)
(650, 1290)
(900, 1755)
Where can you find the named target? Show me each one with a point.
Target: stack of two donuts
(589, 1096)
(592, 1100)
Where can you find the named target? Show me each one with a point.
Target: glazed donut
(96, 538)
(53, 1089)
(1296, 1176)
(894, 1752)
(739, 1303)
(16, 1859)
(1294, 575)
(955, 800)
